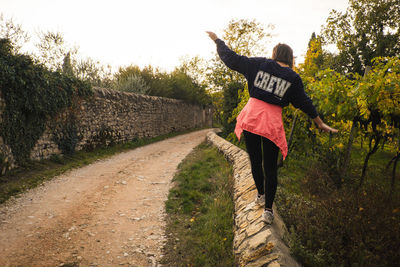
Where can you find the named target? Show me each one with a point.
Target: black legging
(255, 145)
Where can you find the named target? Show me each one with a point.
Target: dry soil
(110, 213)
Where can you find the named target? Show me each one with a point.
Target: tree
(178, 84)
(369, 102)
(314, 60)
(195, 67)
(379, 105)
(67, 67)
(13, 32)
(52, 50)
(368, 29)
(93, 72)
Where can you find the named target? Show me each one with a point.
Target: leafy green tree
(369, 103)
(231, 101)
(14, 33)
(379, 105)
(52, 50)
(368, 29)
(314, 60)
(56, 55)
(93, 72)
(196, 67)
(178, 84)
(33, 95)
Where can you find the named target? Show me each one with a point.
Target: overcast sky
(160, 32)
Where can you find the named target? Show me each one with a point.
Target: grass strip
(200, 212)
(37, 172)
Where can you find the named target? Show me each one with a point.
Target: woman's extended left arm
(230, 58)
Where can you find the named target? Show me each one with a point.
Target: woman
(272, 84)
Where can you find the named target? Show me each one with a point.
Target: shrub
(32, 95)
(340, 227)
(68, 136)
(133, 83)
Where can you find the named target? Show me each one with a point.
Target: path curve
(109, 213)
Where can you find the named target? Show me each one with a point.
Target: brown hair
(283, 53)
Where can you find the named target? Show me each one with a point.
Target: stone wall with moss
(6, 159)
(255, 243)
(110, 116)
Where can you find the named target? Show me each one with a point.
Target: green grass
(37, 172)
(200, 212)
(376, 172)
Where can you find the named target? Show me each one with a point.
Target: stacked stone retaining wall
(255, 243)
(114, 116)
(6, 159)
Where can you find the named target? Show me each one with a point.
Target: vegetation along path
(110, 213)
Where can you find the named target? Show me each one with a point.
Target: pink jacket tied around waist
(264, 119)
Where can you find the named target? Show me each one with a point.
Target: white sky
(160, 32)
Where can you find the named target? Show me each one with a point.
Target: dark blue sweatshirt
(267, 80)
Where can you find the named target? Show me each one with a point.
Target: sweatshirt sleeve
(231, 59)
(301, 100)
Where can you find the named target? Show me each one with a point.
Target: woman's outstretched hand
(327, 128)
(212, 36)
(323, 126)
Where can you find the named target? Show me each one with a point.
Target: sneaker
(260, 199)
(267, 217)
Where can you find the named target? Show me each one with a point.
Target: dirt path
(109, 213)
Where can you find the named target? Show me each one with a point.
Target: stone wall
(6, 159)
(255, 243)
(114, 116)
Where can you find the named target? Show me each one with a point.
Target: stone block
(238, 239)
(254, 215)
(265, 261)
(254, 228)
(247, 197)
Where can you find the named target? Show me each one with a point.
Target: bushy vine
(67, 135)
(33, 95)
